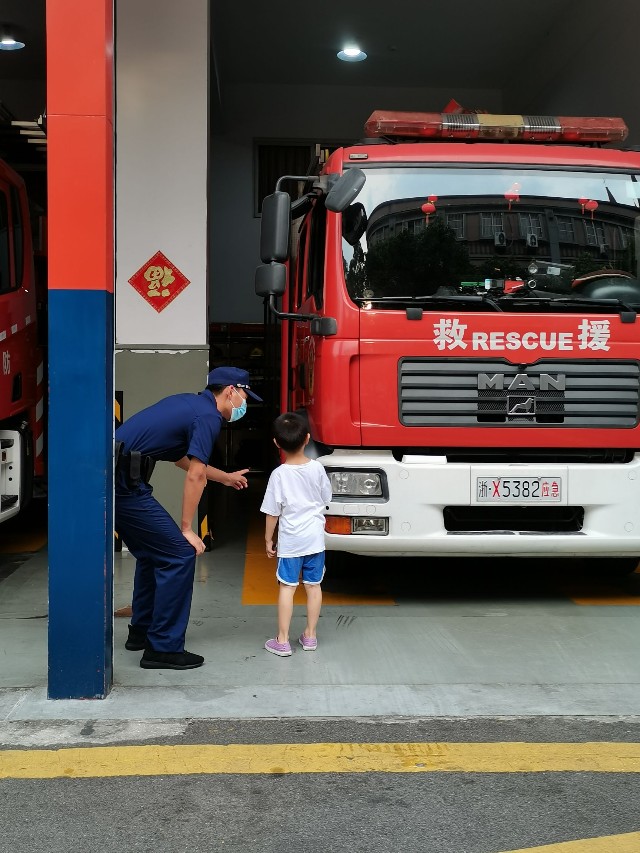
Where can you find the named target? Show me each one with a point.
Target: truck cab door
(295, 355)
(309, 300)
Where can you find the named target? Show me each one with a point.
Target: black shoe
(136, 639)
(169, 660)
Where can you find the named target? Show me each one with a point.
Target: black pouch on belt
(148, 464)
(135, 466)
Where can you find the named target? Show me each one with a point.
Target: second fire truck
(22, 380)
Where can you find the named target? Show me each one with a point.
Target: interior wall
(585, 66)
(138, 374)
(319, 113)
(162, 89)
(161, 176)
(588, 66)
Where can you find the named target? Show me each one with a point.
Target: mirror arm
(298, 178)
(322, 326)
(282, 315)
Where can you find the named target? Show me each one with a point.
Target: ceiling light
(352, 54)
(9, 42)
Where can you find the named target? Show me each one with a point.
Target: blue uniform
(177, 426)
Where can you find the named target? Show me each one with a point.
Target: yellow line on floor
(280, 758)
(610, 594)
(600, 595)
(259, 584)
(627, 843)
(612, 600)
(23, 543)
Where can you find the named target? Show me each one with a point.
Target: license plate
(519, 489)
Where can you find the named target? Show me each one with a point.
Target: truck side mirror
(274, 230)
(345, 189)
(271, 280)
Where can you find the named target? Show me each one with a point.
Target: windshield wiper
(626, 312)
(419, 302)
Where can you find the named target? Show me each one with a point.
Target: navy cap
(232, 376)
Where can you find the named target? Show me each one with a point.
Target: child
(295, 499)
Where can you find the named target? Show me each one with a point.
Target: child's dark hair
(290, 431)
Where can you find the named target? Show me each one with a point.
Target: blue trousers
(165, 567)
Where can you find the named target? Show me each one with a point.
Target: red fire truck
(459, 324)
(21, 356)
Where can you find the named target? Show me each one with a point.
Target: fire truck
(21, 353)
(458, 297)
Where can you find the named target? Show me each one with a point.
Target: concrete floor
(446, 639)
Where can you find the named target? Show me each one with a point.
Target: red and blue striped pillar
(80, 131)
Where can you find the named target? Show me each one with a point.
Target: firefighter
(181, 429)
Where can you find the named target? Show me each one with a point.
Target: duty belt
(136, 467)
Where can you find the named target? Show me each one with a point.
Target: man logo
(521, 382)
(519, 407)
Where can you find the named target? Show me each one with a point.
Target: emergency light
(495, 127)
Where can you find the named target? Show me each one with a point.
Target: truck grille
(494, 392)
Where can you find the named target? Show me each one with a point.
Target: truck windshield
(434, 232)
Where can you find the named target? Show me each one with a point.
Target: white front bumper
(10, 473)
(419, 491)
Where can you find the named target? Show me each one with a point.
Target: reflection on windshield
(419, 232)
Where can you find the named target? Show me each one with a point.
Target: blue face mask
(238, 412)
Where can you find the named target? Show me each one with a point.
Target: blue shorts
(311, 566)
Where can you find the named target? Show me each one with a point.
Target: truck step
(7, 501)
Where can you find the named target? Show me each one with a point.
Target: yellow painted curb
(96, 762)
(627, 843)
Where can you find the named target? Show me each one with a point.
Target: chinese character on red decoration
(159, 281)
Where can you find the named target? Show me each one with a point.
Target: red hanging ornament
(582, 201)
(428, 208)
(511, 196)
(432, 198)
(591, 205)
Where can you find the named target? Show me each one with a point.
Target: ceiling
(437, 44)
(27, 18)
(434, 43)
(410, 43)
(22, 72)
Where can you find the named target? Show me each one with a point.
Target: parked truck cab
(459, 298)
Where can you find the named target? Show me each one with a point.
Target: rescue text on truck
(459, 325)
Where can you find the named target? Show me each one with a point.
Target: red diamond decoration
(159, 281)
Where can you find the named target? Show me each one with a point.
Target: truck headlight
(356, 483)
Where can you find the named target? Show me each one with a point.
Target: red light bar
(487, 126)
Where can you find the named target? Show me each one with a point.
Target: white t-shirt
(298, 494)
